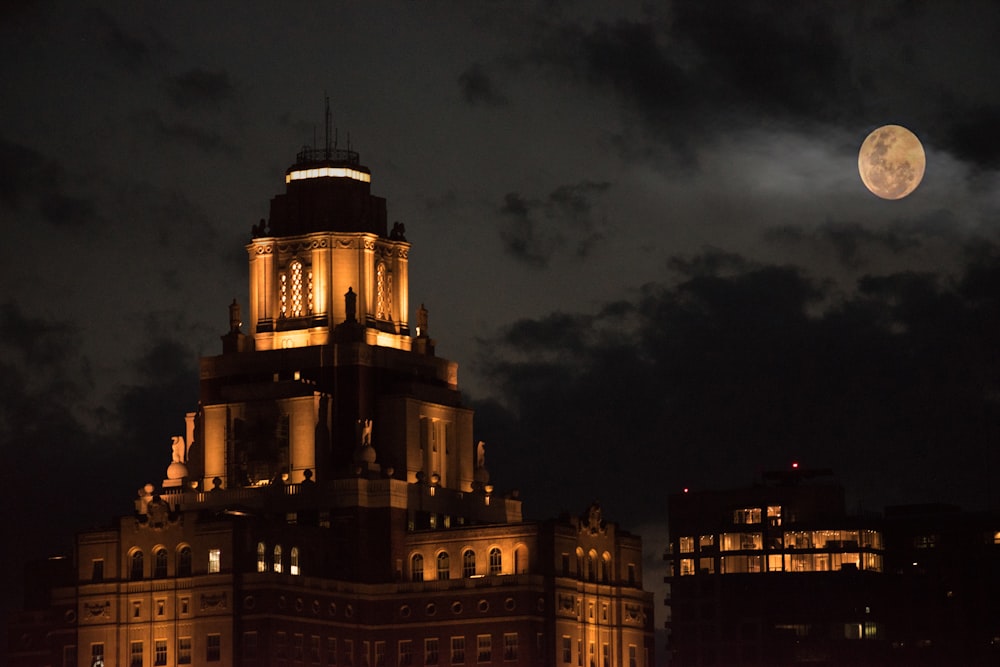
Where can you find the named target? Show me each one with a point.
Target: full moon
(891, 162)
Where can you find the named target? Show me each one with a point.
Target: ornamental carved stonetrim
(369, 244)
(213, 601)
(97, 609)
(345, 243)
(264, 249)
(567, 604)
(634, 614)
(402, 253)
(384, 251)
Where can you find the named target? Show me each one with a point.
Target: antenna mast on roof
(329, 148)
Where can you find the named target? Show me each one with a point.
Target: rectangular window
(742, 541)
(567, 649)
(314, 649)
(213, 648)
(135, 654)
(183, 650)
(405, 653)
(185, 603)
(214, 560)
(97, 570)
(687, 566)
(747, 515)
(331, 650)
(606, 655)
(366, 658)
(96, 653)
(510, 646)
(774, 562)
(484, 648)
(280, 644)
(740, 564)
(136, 609)
(348, 653)
(249, 645)
(379, 654)
(297, 647)
(632, 656)
(707, 565)
(631, 574)
(69, 656)
(687, 545)
(160, 652)
(431, 651)
(161, 607)
(774, 515)
(706, 542)
(565, 565)
(457, 650)
(579, 652)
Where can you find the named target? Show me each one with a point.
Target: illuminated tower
(330, 378)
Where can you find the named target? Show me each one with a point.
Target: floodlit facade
(326, 503)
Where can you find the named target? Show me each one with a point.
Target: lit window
(484, 648)
(383, 292)
(774, 563)
(774, 515)
(469, 563)
(706, 542)
(443, 566)
(742, 541)
(740, 564)
(417, 567)
(747, 515)
(293, 565)
(686, 545)
(276, 565)
(496, 561)
(214, 560)
(707, 565)
(687, 567)
(261, 557)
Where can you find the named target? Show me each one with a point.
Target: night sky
(638, 228)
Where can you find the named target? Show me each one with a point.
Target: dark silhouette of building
(327, 504)
(780, 574)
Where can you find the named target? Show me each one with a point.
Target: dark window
(213, 648)
(184, 562)
(469, 563)
(135, 573)
(160, 564)
(97, 572)
(496, 561)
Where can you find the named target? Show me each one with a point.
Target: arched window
(579, 563)
(293, 565)
(606, 567)
(520, 559)
(417, 567)
(135, 571)
(444, 565)
(295, 290)
(383, 292)
(591, 572)
(496, 561)
(261, 557)
(469, 563)
(184, 561)
(160, 563)
(277, 558)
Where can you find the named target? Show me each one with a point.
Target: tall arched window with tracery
(295, 290)
(383, 292)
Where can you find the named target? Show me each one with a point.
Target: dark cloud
(534, 230)
(851, 243)
(975, 136)
(200, 88)
(730, 371)
(35, 182)
(478, 87)
(203, 138)
(129, 50)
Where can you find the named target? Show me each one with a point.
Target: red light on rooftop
(795, 464)
(685, 489)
